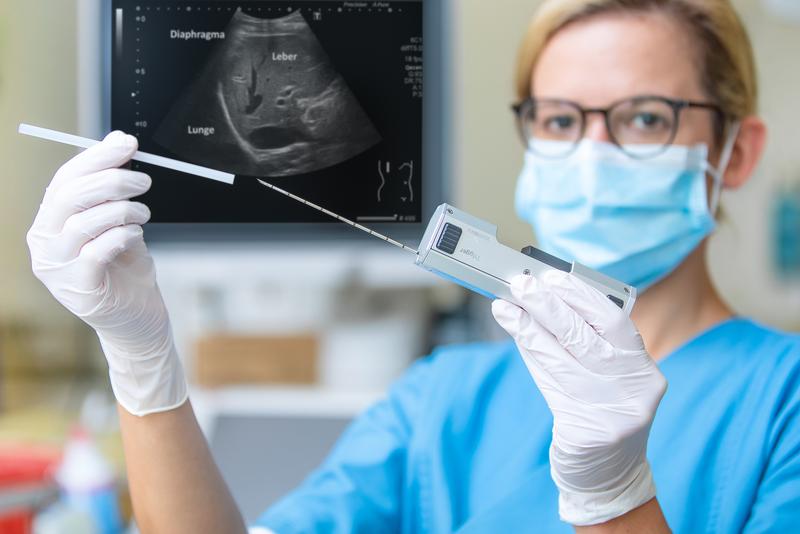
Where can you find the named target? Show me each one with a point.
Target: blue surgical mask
(634, 220)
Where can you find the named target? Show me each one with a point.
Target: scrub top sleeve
(358, 488)
(777, 504)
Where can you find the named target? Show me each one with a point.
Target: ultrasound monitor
(337, 102)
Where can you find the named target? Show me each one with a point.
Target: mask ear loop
(724, 159)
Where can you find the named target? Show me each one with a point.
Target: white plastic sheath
(590, 364)
(144, 157)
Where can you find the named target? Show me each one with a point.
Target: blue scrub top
(461, 444)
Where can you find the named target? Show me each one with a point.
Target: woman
(636, 113)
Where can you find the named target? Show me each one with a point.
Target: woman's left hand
(590, 364)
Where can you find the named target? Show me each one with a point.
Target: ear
(747, 151)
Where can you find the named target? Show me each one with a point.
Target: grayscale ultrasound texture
(268, 103)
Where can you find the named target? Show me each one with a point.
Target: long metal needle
(338, 217)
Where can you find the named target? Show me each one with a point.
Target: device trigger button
(548, 259)
(616, 300)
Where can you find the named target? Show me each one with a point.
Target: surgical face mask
(634, 220)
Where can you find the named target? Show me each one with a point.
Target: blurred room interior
(293, 339)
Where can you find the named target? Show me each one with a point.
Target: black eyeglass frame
(677, 106)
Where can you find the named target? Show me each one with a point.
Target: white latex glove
(87, 248)
(589, 361)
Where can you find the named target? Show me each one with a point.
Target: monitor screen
(321, 98)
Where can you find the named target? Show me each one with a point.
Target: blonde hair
(725, 61)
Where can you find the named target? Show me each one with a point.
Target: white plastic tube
(144, 157)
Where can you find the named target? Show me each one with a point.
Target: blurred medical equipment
(26, 485)
(786, 231)
(598, 452)
(89, 484)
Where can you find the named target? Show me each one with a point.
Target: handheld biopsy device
(456, 245)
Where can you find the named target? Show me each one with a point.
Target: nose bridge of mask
(574, 180)
(589, 174)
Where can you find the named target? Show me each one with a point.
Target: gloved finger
(82, 227)
(97, 254)
(114, 151)
(110, 184)
(535, 340)
(508, 316)
(566, 325)
(597, 310)
(556, 373)
(87, 191)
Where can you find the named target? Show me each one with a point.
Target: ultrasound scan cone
(268, 103)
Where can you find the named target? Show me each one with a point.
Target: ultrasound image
(274, 102)
(323, 98)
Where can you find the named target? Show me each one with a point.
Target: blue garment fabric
(461, 445)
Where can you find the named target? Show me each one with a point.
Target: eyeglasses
(641, 126)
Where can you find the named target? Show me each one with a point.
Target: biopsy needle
(197, 170)
(338, 217)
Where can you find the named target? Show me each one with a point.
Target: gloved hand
(87, 248)
(589, 362)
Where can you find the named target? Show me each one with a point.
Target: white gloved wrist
(146, 385)
(87, 248)
(590, 364)
(582, 508)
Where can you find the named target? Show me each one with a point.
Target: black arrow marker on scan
(144, 157)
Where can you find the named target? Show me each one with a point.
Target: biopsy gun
(462, 248)
(456, 245)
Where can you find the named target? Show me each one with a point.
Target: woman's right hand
(591, 366)
(87, 247)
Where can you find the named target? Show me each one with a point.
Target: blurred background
(292, 341)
